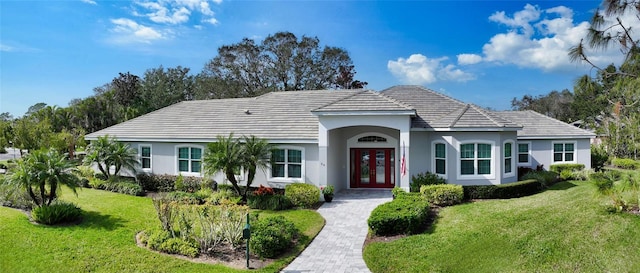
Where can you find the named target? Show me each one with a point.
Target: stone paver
(338, 247)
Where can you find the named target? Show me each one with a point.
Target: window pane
(484, 150)
(523, 158)
(195, 166)
(507, 150)
(568, 157)
(484, 166)
(440, 150)
(277, 170)
(278, 156)
(183, 152)
(295, 171)
(196, 153)
(146, 163)
(294, 156)
(466, 167)
(523, 148)
(568, 147)
(557, 157)
(146, 151)
(557, 147)
(183, 165)
(507, 165)
(467, 151)
(440, 166)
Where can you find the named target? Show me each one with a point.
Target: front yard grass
(105, 240)
(564, 229)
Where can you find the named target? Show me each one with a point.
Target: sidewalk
(338, 247)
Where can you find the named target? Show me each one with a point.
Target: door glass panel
(364, 167)
(392, 167)
(380, 167)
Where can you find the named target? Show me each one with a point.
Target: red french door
(372, 168)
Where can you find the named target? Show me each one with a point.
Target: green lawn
(564, 229)
(105, 240)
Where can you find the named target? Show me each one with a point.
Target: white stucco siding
(542, 152)
(420, 153)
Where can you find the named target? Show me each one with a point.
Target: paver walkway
(338, 247)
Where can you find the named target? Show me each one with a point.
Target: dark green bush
(613, 175)
(185, 198)
(56, 213)
(546, 178)
(159, 183)
(156, 237)
(223, 195)
(407, 214)
(625, 163)
(426, 178)
(302, 195)
(443, 195)
(504, 191)
(179, 246)
(269, 202)
(122, 186)
(272, 236)
(558, 168)
(599, 157)
(188, 183)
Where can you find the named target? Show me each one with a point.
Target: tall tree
(163, 87)
(554, 104)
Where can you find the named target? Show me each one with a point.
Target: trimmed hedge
(56, 213)
(504, 191)
(625, 163)
(443, 195)
(425, 178)
(269, 202)
(407, 214)
(546, 178)
(272, 236)
(167, 182)
(302, 195)
(573, 167)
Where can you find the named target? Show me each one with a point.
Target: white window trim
(177, 164)
(147, 170)
(575, 152)
(446, 158)
(528, 163)
(290, 179)
(491, 175)
(514, 147)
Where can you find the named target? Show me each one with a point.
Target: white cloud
(465, 59)
(176, 11)
(212, 21)
(89, 2)
(131, 32)
(418, 69)
(6, 48)
(540, 38)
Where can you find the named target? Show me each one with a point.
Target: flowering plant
(262, 190)
(327, 190)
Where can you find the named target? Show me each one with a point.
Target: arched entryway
(372, 160)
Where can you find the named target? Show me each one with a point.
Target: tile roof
(536, 125)
(365, 100)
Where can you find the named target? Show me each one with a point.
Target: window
(564, 151)
(475, 159)
(145, 157)
(508, 158)
(286, 163)
(440, 158)
(523, 154)
(189, 159)
(372, 139)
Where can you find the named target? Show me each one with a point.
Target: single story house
(357, 138)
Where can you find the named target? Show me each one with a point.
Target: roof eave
(208, 140)
(366, 113)
(556, 137)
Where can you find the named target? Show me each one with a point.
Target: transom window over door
(189, 159)
(564, 151)
(286, 163)
(475, 159)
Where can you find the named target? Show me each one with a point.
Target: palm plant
(108, 151)
(44, 172)
(98, 152)
(122, 156)
(256, 155)
(224, 155)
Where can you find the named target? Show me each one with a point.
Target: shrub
(504, 191)
(625, 163)
(269, 202)
(272, 236)
(397, 191)
(582, 175)
(123, 186)
(546, 178)
(302, 195)
(15, 197)
(599, 157)
(223, 196)
(407, 214)
(161, 183)
(56, 213)
(566, 175)
(155, 238)
(179, 246)
(558, 168)
(186, 198)
(426, 178)
(443, 195)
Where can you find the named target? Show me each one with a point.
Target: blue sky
(483, 52)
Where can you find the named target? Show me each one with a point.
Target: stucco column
(323, 148)
(405, 144)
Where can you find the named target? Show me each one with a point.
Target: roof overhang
(469, 129)
(557, 137)
(207, 140)
(366, 113)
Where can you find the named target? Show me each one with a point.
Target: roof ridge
(340, 99)
(486, 115)
(453, 123)
(392, 100)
